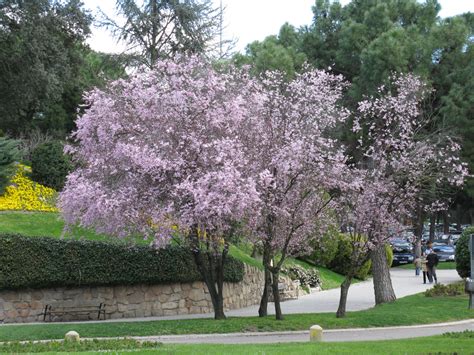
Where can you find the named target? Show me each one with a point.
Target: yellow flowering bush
(26, 195)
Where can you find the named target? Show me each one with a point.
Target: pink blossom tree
(398, 161)
(298, 166)
(160, 155)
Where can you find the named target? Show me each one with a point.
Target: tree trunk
(263, 309)
(276, 295)
(341, 310)
(213, 281)
(445, 222)
(432, 226)
(418, 232)
(381, 275)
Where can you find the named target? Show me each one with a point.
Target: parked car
(402, 252)
(445, 252)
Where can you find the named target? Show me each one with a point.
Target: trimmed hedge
(463, 262)
(42, 262)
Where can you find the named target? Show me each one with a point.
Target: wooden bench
(50, 311)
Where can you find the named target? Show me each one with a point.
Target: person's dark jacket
(432, 259)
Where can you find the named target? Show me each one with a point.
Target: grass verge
(443, 344)
(415, 309)
(452, 343)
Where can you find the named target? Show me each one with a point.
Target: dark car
(445, 252)
(402, 252)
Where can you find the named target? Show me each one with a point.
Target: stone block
(169, 305)
(196, 294)
(202, 303)
(175, 296)
(194, 310)
(176, 288)
(9, 296)
(22, 305)
(166, 289)
(156, 312)
(23, 313)
(186, 287)
(137, 297)
(13, 314)
(139, 313)
(150, 296)
(8, 306)
(197, 284)
(170, 312)
(163, 298)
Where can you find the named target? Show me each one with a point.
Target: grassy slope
(51, 224)
(461, 343)
(416, 309)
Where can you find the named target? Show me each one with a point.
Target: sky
(250, 20)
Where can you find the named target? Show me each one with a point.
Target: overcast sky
(250, 20)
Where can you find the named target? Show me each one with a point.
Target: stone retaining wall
(131, 301)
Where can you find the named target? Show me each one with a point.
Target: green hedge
(463, 262)
(40, 262)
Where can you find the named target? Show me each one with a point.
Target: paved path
(357, 334)
(361, 295)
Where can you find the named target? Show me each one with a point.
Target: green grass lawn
(452, 343)
(415, 309)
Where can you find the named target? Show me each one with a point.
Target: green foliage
(342, 263)
(440, 290)
(46, 262)
(9, 154)
(274, 53)
(50, 165)
(389, 254)
(306, 277)
(40, 52)
(325, 248)
(463, 263)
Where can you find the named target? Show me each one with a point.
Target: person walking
(432, 260)
(417, 263)
(424, 268)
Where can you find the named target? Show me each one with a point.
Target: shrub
(50, 165)
(42, 262)
(340, 262)
(9, 154)
(26, 195)
(463, 265)
(440, 290)
(325, 248)
(306, 277)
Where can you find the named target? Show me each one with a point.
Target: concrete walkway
(339, 335)
(361, 295)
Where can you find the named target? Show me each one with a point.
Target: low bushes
(50, 165)
(42, 262)
(463, 265)
(308, 277)
(440, 290)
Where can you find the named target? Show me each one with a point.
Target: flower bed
(26, 195)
